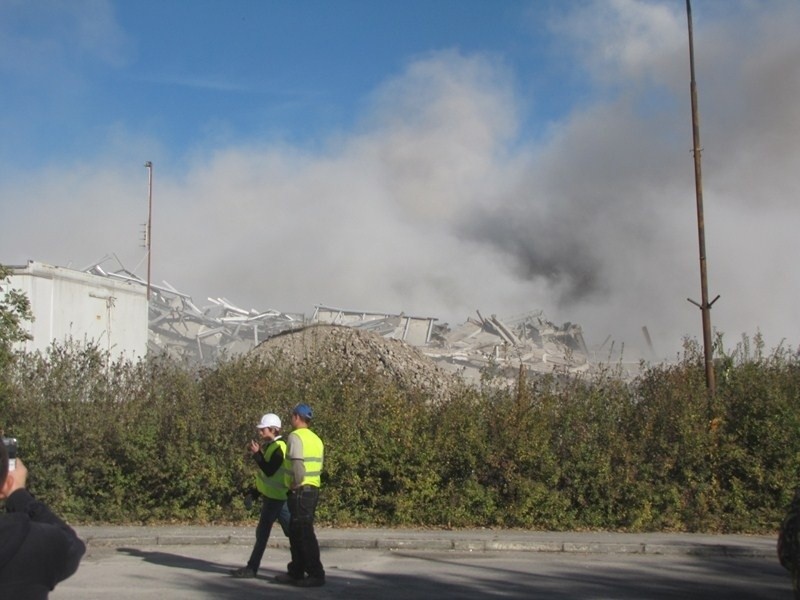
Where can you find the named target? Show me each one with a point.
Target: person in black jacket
(37, 549)
(270, 486)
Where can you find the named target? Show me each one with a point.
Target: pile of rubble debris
(352, 350)
(529, 341)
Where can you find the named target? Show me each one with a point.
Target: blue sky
(199, 74)
(434, 157)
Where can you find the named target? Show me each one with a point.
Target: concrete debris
(529, 341)
(343, 349)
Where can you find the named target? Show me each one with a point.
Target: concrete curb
(447, 541)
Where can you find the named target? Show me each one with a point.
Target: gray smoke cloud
(440, 202)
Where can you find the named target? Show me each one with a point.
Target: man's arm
(295, 451)
(269, 468)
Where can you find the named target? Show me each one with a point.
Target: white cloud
(630, 41)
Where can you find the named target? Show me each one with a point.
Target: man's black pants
(302, 504)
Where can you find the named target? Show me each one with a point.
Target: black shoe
(243, 573)
(286, 578)
(311, 582)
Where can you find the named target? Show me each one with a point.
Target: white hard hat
(270, 420)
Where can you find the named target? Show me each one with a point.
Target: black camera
(11, 447)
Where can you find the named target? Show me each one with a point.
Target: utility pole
(149, 166)
(705, 305)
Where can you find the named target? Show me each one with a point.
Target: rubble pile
(361, 351)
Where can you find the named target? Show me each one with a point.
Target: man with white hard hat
(269, 455)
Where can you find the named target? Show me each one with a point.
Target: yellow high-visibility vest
(313, 451)
(273, 486)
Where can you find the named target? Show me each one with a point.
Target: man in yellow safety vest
(303, 467)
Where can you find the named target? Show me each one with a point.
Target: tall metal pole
(705, 305)
(149, 166)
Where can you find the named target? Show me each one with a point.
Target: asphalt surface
(193, 563)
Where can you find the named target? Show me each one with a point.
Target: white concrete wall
(78, 306)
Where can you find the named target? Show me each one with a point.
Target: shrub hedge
(157, 441)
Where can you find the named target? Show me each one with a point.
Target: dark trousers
(304, 546)
(271, 510)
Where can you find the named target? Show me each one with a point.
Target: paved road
(178, 563)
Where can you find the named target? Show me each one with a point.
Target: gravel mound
(352, 350)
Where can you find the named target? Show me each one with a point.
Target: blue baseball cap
(304, 410)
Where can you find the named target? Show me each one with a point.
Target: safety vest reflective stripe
(313, 466)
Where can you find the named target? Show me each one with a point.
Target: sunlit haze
(432, 158)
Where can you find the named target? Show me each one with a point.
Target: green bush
(156, 441)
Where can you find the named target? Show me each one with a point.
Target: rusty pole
(705, 305)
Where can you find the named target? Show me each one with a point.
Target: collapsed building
(203, 335)
(529, 341)
(181, 329)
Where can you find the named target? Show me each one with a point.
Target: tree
(15, 309)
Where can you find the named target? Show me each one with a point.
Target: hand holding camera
(15, 480)
(11, 447)
(17, 474)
